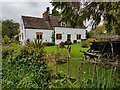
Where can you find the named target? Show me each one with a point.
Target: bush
(35, 44)
(6, 39)
(49, 43)
(67, 42)
(62, 45)
(85, 44)
(4, 53)
(27, 69)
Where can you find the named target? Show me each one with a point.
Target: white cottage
(43, 28)
(63, 34)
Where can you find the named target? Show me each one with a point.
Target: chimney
(46, 15)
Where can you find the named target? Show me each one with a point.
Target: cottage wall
(72, 31)
(22, 36)
(47, 34)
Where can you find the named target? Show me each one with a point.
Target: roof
(40, 23)
(103, 37)
(54, 20)
(34, 23)
(117, 39)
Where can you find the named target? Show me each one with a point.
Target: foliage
(109, 11)
(75, 13)
(35, 44)
(25, 68)
(100, 30)
(89, 75)
(61, 80)
(88, 35)
(6, 39)
(67, 42)
(62, 45)
(49, 43)
(85, 44)
(69, 12)
(10, 28)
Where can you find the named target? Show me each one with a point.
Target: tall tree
(73, 13)
(110, 11)
(69, 12)
(10, 28)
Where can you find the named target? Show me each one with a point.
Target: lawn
(75, 50)
(74, 64)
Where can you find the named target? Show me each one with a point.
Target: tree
(100, 30)
(10, 28)
(110, 11)
(73, 14)
(69, 12)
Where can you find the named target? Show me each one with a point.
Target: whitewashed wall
(31, 34)
(72, 31)
(22, 30)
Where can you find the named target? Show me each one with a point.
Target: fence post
(68, 58)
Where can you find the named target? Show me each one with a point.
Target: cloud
(14, 10)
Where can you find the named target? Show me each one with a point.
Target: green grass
(86, 71)
(74, 64)
(75, 50)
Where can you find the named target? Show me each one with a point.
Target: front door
(68, 37)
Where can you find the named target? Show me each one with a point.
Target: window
(58, 36)
(78, 36)
(39, 35)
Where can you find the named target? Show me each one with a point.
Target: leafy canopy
(10, 28)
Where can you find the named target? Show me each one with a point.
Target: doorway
(68, 37)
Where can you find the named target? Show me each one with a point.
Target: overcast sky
(14, 10)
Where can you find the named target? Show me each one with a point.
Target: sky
(14, 10)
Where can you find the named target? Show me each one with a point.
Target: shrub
(4, 53)
(67, 42)
(62, 45)
(85, 44)
(35, 44)
(28, 69)
(49, 43)
(6, 39)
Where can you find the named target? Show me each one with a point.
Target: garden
(47, 66)
(38, 66)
